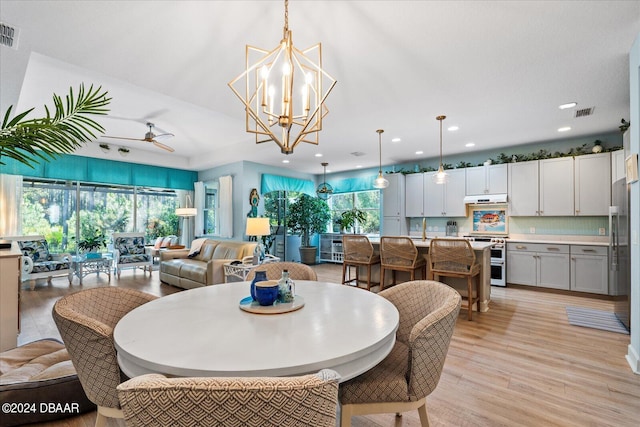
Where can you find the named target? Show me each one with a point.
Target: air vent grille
(8, 35)
(584, 112)
(357, 153)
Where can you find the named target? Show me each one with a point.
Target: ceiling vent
(9, 35)
(584, 112)
(357, 153)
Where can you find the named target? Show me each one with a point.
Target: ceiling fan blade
(163, 136)
(122, 137)
(163, 146)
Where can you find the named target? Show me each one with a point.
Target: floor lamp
(186, 213)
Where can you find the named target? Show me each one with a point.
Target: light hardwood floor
(520, 364)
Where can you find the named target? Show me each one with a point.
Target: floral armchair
(38, 262)
(129, 251)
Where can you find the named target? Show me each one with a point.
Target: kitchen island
(483, 257)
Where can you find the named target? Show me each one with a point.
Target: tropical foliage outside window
(51, 208)
(367, 201)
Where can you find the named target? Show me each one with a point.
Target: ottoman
(39, 383)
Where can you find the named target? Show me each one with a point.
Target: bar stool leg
(470, 298)
(344, 271)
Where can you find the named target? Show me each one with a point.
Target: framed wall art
(489, 220)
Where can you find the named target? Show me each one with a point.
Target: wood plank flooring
(520, 364)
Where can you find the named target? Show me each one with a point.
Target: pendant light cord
(380, 149)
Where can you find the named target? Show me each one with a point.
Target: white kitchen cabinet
(9, 297)
(592, 177)
(414, 200)
(556, 187)
(537, 264)
(618, 169)
(590, 269)
(489, 179)
(445, 199)
(523, 188)
(394, 222)
(393, 195)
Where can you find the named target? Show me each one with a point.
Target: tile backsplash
(570, 225)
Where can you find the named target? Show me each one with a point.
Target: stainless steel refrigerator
(619, 255)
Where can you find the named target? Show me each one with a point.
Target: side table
(83, 266)
(239, 272)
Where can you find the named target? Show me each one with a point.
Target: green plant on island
(348, 219)
(29, 141)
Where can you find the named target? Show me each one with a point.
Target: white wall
(633, 354)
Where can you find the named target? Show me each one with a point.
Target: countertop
(477, 246)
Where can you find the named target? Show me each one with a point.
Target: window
(53, 208)
(210, 203)
(367, 201)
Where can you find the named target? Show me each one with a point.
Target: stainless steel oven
(498, 258)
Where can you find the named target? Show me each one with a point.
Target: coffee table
(83, 266)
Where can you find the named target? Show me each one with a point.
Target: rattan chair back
(297, 271)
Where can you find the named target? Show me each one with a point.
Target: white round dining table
(203, 332)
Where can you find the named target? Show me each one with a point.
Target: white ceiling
(498, 70)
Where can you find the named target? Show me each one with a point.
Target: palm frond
(33, 140)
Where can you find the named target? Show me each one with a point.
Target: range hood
(484, 199)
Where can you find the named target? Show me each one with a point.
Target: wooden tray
(251, 306)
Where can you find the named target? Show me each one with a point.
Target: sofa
(205, 267)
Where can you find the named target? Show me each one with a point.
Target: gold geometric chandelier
(283, 92)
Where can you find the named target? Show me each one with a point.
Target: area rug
(597, 319)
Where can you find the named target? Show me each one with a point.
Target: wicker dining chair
(358, 252)
(400, 254)
(154, 400)
(456, 258)
(297, 271)
(402, 381)
(86, 320)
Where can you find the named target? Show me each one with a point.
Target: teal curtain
(88, 169)
(351, 185)
(284, 183)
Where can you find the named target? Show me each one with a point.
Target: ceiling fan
(150, 137)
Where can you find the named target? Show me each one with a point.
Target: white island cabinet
(9, 297)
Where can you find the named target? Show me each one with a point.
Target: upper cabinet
(523, 189)
(490, 179)
(414, 200)
(556, 187)
(393, 195)
(618, 170)
(445, 199)
(592, 175)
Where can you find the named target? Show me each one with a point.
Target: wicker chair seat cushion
(44, 266)
(154, 400)
(130, 259)
(40, 372)
(386, 382)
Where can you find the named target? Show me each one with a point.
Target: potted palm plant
(348, 219)
(307, 216)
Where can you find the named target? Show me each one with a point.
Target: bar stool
(455, 258)
(358, 252)
(400, 254)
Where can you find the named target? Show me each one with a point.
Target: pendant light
(441, 177)
(380, 181)
(324, 190)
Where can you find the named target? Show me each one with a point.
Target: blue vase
(260, 277)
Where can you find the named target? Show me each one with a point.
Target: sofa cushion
(133, 258)
(207, 250)
(231, 250)
(129, 245)
(194, 270)
(172, 266)
(44, 266)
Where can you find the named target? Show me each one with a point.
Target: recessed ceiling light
(318, 154)
(419, 152)
(470, 144)
(396, 140)
(564, 129)
(452, 128)
(358, 166)
(568, 105)
(285, 161)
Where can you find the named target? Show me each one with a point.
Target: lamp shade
(186, 211)
(258, 227)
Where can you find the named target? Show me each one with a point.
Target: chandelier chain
(286, 17)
